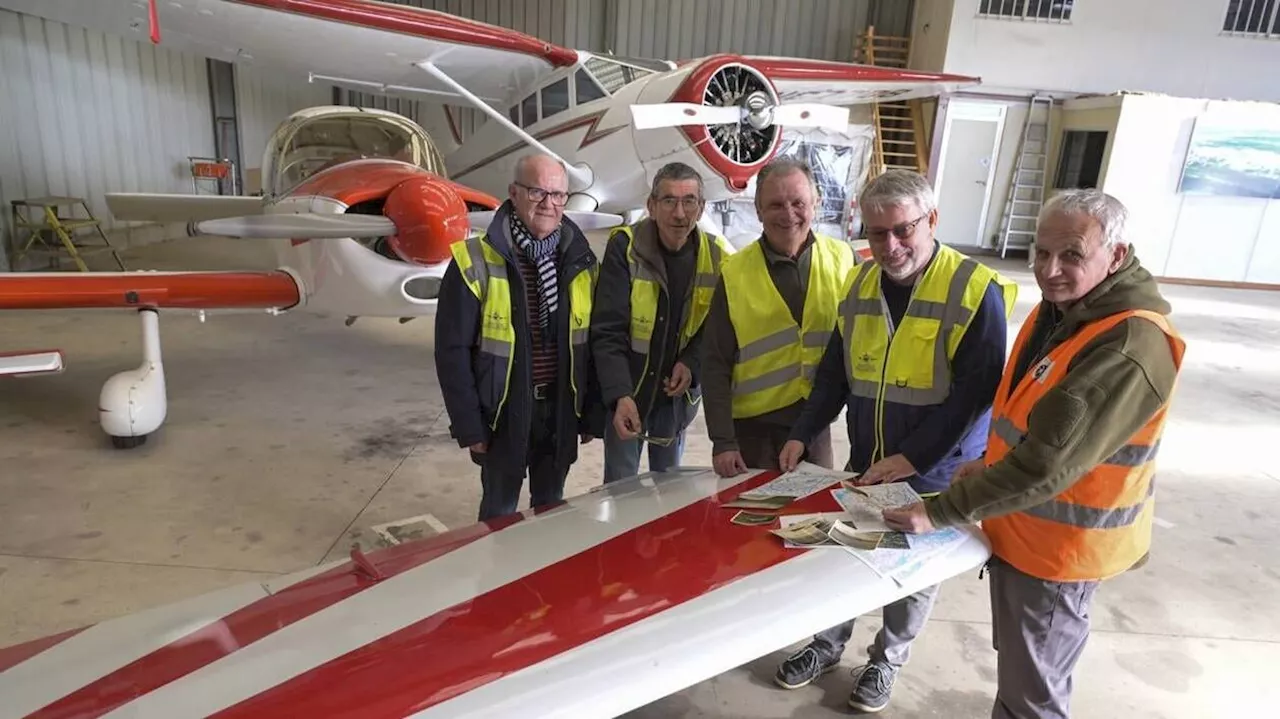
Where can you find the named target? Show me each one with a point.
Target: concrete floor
(289, 437)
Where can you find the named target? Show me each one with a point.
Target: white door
(970, 147)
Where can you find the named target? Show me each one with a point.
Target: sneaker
(872, 686)
(801, 668)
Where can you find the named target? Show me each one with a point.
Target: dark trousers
(1039, 629)
(760, 443)
(500, 486)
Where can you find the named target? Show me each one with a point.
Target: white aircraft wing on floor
(600, 605)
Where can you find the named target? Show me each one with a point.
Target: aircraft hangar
(298, 432)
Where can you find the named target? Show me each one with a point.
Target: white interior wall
(1170, 46)
(1231, 239)
(929, 30)
(86, 113)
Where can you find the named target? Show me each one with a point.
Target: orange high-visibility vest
(1101, 525)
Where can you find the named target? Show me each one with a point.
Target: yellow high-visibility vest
(776, 357)
(911, 363)
(644, 290)
(485, 272)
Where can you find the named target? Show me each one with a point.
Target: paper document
(762, 503)
(831, 529)
(900, 564)
(804, 480)
(865, 505)
(752, 519)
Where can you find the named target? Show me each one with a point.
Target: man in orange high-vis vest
(1066, 490)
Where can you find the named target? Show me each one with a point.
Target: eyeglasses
(902, 231)
(665, 441)
(688, 202)
(537, 194)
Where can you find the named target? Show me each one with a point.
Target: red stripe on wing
(137, 290)
(424, 23)
(19, 653)
(251, 623)
(623, 580)
(788, 68)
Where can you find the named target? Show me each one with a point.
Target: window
(555, 98)
(1080, 163)
(529, 110)
(613, 76)
(1256, 18)
(1033, 10)
(586, 88)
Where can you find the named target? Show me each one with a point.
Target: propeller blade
(312, 226)
(481, 220)
(812, 115)
(672, 114)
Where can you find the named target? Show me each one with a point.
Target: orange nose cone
(429, 216)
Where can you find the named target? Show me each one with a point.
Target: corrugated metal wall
(678, 29)
(85, 113)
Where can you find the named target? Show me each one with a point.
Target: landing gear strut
(133, 404)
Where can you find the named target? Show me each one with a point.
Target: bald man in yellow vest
(771, 317)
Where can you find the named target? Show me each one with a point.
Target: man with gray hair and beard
(1065, 490)
(916, 356)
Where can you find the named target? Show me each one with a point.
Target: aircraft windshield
(312, 144)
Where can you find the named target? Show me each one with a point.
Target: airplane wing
(838, 83)
(275, 290)
(533, 615)
(359, 44)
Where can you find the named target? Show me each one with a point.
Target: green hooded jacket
(1112, 388)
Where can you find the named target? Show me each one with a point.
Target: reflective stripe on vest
(645, 288)
(911, 364)
(919, 351)
(776, 357)
(484, 271)
(1101, 525)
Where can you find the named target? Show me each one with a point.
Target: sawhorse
(38, 216)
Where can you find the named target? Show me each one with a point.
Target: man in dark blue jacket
(916, 355)
(511, 350)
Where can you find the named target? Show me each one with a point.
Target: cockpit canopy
(320, 137)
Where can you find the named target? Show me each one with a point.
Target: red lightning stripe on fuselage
(592, 136)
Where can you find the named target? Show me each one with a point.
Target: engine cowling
(735, 152)
(429, 216)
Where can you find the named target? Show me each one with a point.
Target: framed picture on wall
(1234, 158)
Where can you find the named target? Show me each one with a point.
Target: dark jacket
(1111, 389)
(936, 439)
(618, 367)
(472, 383)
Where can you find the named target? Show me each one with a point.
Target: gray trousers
(903, 622)
(1039, 629)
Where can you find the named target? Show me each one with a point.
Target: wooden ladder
(900, 142)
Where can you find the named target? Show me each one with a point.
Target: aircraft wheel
(128, 442)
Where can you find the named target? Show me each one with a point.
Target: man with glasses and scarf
(916, 354)
(656, 282)
(512, 330)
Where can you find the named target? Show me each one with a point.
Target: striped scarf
(542, 253)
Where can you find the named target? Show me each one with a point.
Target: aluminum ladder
(1026, 192)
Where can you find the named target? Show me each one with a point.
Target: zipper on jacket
(879, 448)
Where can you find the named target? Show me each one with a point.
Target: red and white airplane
(363, 223)
(603, 604)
